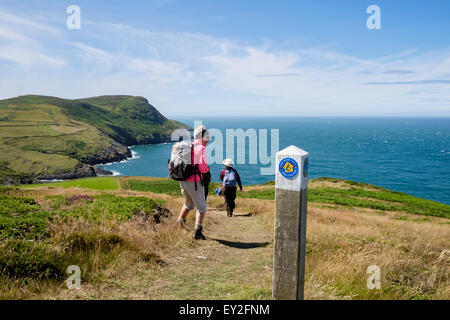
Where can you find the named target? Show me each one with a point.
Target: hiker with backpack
(230, 178)
(188, 165)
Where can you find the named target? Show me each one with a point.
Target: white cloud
(188, 72)
(6, 34)
(22, 42)
(28, 22)
(91, 53)
(333, 81)
(29, 58)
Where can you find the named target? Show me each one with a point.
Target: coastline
(115, 173)
(134, 155)
(92, 168)
(88, 170)
(141, 168)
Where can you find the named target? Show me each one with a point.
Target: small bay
(410, 155)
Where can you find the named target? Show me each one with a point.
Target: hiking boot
(180, 223)
(198, 235)
(229, 214)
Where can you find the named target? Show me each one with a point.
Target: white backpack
(229, 179)
(180, 163)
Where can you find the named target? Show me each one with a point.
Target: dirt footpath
(235, 262)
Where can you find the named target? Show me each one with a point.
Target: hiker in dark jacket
(230, 178)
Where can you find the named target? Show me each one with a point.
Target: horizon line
(307, 116)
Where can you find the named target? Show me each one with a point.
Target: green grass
(265, 194)
(166, 186)
(97, 183)
(28, 249)
(105, 206)
(23, 218)
(336, 193)
(21, 258)
(381, 200)
(87, 235)
(362, 195)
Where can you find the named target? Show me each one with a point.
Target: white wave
(111, 163)
(134, 155)
(115, 173)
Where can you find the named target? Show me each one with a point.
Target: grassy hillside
(325, 192)
(116, 231)
(49, 137)
(334, 193)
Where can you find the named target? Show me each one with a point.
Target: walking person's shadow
(241, 245)
(243, 215)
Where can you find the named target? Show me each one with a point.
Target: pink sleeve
(200, 158)
(203, 166)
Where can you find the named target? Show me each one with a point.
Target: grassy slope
(41, 234)
(326, 192)
(48, 135)
(130, 120)
(97, 183)
(122, 259)
(337, 192)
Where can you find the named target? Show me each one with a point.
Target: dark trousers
(229, 194)
(206, 181)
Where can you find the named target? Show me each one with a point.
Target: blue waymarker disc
(288, 168)
(305, 168)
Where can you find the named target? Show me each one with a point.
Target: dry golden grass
(160, 261)
(342, 244)
(103, 250)
(413, 255)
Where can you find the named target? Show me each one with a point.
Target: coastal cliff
(52, 138)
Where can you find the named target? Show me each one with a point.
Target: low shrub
(92, 241)
(22, 258)
(22, 218)
(79, 198)
(111, 207)
(13, 205)
(26, 226)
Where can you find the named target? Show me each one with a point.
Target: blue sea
(410, 155)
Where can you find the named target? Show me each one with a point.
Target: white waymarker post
(291, 197)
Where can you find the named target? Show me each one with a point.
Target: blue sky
(263, 58)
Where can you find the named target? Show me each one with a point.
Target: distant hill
(50, 138)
